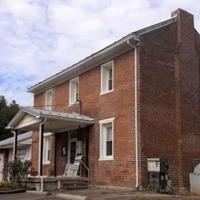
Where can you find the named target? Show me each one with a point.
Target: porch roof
(29, 118)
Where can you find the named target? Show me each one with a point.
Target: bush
(18, 170)
(9, 185)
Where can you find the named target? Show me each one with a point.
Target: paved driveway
(99, 195)
(26, 196)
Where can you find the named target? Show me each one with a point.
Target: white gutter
(136, 120)
(136, 110)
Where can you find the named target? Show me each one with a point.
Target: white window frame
(47, 105)
(102, 140)
(45, 149)
(72, 99)
(103, 67)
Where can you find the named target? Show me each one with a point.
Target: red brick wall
(6, 164)
(169, 98)
(168, 106)
(35, 152)
(121, 170)
(157, 99)
(38, 102)
(188, 66)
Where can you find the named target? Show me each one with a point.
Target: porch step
(74, 184)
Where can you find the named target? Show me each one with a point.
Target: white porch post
(39, 152)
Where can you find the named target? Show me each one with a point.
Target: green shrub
(18, 170)
(9, 185)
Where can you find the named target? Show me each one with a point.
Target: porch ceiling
(29, 119)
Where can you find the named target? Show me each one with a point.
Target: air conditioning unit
(157, 173)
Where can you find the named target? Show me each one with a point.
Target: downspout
(136, 110)
(136, 121)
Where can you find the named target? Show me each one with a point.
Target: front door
(72, 151)
(1, 166)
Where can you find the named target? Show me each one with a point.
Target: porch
(63, 142)
(57, 183)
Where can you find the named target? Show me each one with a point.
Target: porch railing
(87, 168)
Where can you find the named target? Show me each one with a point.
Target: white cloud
(39, 38)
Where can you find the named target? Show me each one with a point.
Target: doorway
(72, 151)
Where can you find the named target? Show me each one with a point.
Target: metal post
(15, 145)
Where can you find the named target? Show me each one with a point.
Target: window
(46, 149)
(106, 139)
(21, 154)
(73, 90)
(107, 77)
(49, 99)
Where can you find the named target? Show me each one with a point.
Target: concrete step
(78, 184)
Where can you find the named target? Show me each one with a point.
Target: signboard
(72, 169)
(153, 165)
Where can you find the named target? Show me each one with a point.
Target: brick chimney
(187, 83)
(185, 25)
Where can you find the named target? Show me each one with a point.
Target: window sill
(71, 104)
(106, 159)
(46, 163)
(106, 92)
(48, 109)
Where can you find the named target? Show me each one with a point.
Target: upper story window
(48, 99)
(73, 90)
(106, 139)
(107, 77)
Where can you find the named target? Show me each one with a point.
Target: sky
(38, 38)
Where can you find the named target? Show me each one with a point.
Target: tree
(7, 112)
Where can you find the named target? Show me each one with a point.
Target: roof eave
(40, 114)
(89, 121)
(88, 63)
(108, 53)
(10, 125)
(17, 117)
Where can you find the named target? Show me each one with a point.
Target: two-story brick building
(135, 99)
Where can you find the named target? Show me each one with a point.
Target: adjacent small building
(6, 152)
(137, 98)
